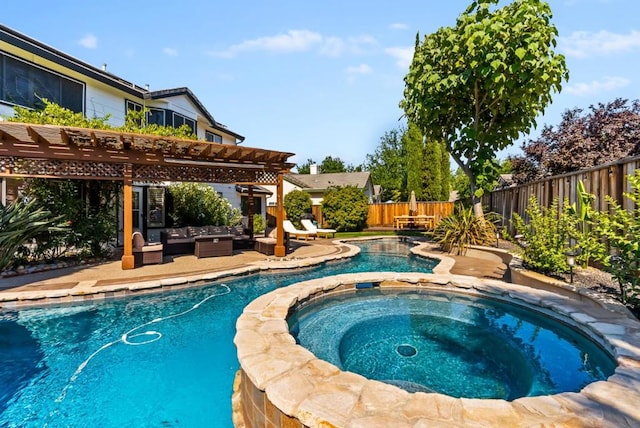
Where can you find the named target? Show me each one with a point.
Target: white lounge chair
(297, 233)
(308, 224)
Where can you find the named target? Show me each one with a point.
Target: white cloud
(582, 44)
(398, 26)
(333, 46)
(300, 41)
(597, 86)
(170, 51)
(89, 41)
(292, 41)
(403, 56)
(359, 69)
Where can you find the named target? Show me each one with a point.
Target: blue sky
(316, 78)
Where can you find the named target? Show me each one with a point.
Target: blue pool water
(454, 344)
(156, 361)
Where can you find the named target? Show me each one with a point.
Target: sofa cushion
(197, 230)
(176, 232)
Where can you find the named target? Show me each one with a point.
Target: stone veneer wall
(281, 384)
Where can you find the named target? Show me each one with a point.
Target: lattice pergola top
(68, 152)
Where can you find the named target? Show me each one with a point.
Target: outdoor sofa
(182, 240)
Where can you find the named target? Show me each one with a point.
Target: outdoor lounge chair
(297, 233)
(145, 254)
(308, 224)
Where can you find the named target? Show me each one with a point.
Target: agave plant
(20, 222)
(456, 232)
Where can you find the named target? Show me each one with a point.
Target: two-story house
(31, 70)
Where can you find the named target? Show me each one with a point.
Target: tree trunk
(475, 201)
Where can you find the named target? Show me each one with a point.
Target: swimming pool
(160, 360)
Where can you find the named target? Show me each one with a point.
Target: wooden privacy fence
(610, 179)
(382, 215)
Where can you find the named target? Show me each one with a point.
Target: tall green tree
(387, 166)
(432, 175)
(415, 161)
(330, 164)
(481, 84)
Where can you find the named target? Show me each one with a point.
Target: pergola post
(280, 250)
(127, 257)
(251, 210)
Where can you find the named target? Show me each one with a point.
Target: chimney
(104, 67)
(313, 169)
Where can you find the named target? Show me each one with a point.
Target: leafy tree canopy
(482, 83)
(605, 133)
(387, 166)
(328, 165)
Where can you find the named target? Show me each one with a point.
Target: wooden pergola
(48, 151)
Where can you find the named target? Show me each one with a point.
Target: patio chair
(308, 224)
(144, 254)
(297, 233)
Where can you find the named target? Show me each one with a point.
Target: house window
(133, 106)
(244, 205)
(212, 137)
(25, 85)
(155, 116)
(155, 203)
(179, 120)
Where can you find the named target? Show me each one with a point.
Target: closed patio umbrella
(413, 204)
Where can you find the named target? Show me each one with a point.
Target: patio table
(213, 245)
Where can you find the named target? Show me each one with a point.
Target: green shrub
(88, 206)
(589, 242)
(198, 204)
(19, 223)
(345, 208)
(259, 224)
(297, 203)
(456, 232)
(546, 237)
(621, 228)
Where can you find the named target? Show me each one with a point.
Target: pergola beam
(48, 151)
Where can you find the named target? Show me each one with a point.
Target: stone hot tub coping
(283, 384)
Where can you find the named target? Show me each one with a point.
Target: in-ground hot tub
(288, 385)
(451, 343)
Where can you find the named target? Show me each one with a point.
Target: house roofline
(40, 49)
(167, 93)
(47, 52)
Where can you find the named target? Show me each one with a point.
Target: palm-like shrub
(456, 232)
(19, 223)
